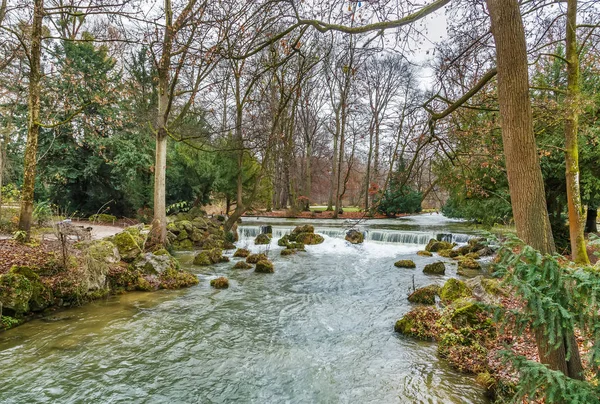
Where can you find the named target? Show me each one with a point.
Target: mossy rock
(434, 245)
(355, 237)
(102, 218)
(464, 250)
(41, 295)
(436, 268)
(468, 263)
(152, 264)
(420, 322)
(172, 227)
(224, 259)
(220, 283)
(208, 257)
(242, 265)
(228, 245)
(283, 241)
(262, 239)
(185, 226)
(211, 242)
(307, 228)
(472, 256)
(184, 245)
(264, 267)
(493, 287)
(288, 251)
(477, 244)
(296, 246)
(175, 279)
(15, 292)
(202, 259)
(161, 251)
(454, 289)
(463, 355)
(425, 295)
(309, 238)
(405, 264)
(468, 313)
(254, 258)
(424, 253)
(130, 243)
(196, 236)
(448, 253)
(468, 273)
(182, 235)
(241, 252)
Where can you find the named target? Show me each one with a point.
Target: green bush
(487, 211)
(396, 200)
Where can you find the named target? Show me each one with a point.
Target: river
(318, 330)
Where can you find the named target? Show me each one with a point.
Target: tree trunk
(368, 170)
(523, 169)
(590, 223)
(575, 207)
(334, 167)
(33, 129)
(159, 223)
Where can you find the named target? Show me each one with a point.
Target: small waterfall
(248, 233)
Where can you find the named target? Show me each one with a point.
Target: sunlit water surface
(319, 330)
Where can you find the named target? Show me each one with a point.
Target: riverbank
(45, 275)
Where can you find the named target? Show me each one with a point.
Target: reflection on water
(319, 330)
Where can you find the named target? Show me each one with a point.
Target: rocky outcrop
(302, 234)
(262, 239)
(242, 265)
(194, 229)
(435, 245)
(254, 258)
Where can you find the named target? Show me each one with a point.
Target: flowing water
(318, 330)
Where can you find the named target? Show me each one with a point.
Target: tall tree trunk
(368, 170)
(33, 127)
(159, 223)
(523, 169)
(590, 223)
(334, 167)
(575, 207)
(308, 178)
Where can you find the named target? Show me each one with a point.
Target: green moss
(405, 264)
(183, 234)
(424, 253)
(103, 218)
(264, 267)
(15, 292)
(437, 268)
(8, 322)
(220, 283)
(184, 245)
(254, 258)
(449, 253)
(162, 251)
(355, 237)
(288, 251)
(454, 289)
(425, 295)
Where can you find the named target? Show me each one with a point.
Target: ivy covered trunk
(33, 129)
(576, 219)
(523, 169)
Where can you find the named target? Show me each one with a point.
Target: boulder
(242, 265)
(264, 267)
(262, 239)
(152, 264)
(288, 251)
(448, 253)
(435, 246)
(241, 252)
(254, 258)
(424, 253)
(419, 323)
(220, 283)
(469, 263)
(425, 295)
(283, 241)
(41, 295)
(309, 238)
(405, 264)
(208, 257)
(437, 268)
(454, 289)
(355, 237)
(130, 242)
